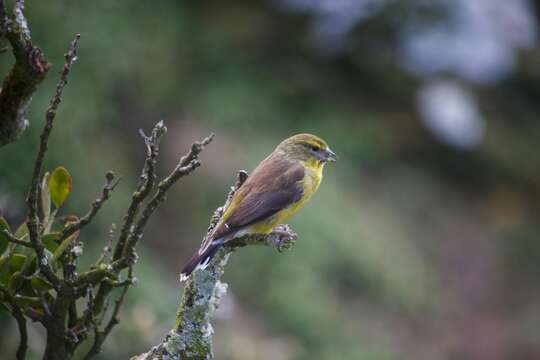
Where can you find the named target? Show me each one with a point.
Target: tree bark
(191, 339)
(28, 71)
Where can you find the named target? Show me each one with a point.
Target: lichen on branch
(28, 71)
(191, 339)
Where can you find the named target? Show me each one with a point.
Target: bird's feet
(282, 237)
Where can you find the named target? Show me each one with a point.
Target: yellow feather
(310, 184)
(279, 169)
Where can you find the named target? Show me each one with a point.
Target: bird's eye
(315, 148)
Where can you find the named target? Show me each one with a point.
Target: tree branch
(21, 322)
(187, 164)
(100, 336)
(146, 183)
(133, 227)
(32, 199)
(192, 337)
(94, 276)
(11, 238)
(28, 71)
(109, 186)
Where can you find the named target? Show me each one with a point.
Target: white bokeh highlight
(451, 113)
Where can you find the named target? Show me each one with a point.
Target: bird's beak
(329, 155)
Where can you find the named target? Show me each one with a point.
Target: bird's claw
(283, 238)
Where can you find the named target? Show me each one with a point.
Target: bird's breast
(312, 179)
(309, 184)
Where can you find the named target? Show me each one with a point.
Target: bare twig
(94, 276)
(96, 205)
(147, 180)
(118, 303)
(13, 239)
(70, 57)
(21, 322)
(132, 229)
(146, 183)
(107, 249)
(100, 336)
(187, 164)
(32, 199)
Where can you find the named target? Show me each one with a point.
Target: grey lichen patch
(219, 292)
(192, 338)
(202, 295)
(174, 343)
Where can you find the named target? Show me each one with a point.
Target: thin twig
(113, 321)
(107, 248)
(94, 276)
(131, 232)
(96, 205)
(146, 183)
(21, 323)
(116, 284)
(187, 164)
(13, 239)
(70, 257)
(32, 199)
(70, 57)
(147, 180)
(100, 336)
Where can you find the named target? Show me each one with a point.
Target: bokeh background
(422, 242)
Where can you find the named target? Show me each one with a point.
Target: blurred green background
(422, 242)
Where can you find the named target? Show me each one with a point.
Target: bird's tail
(200, 260)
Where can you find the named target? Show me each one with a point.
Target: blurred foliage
(27, 289)
(411, 249)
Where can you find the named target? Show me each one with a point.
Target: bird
(276, 189)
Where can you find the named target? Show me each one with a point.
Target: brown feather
(272, 186)
(278, 187)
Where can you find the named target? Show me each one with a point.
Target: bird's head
(307, 148)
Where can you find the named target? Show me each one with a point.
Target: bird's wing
(273, 186)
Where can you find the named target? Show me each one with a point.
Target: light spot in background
(477, 41)
(451, 113)
(334, 19)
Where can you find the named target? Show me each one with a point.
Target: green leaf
(30, 267)
(40, 285)
(4, 269)
(15, 281)
(50, 241)
(26, 301)
(64, 245)
(59, 185)
(46, 198)
(3, 239)
(17, 262)
(22, 231)
(50, 221)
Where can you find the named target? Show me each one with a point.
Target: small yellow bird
(278, 187)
